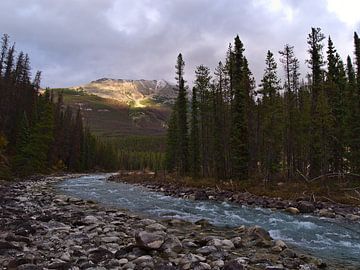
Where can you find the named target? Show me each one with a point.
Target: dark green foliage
(317, 150)
(194, 136)
(42, 135)
(205, 104)
(239, 139)
(281, 131)
(177, 153)
(272, 121)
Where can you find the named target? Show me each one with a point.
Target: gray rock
(326, 213)
(274, 267)
(237, 241)
(306, 207)
(206, 250)
(155, 227)
(172, 243)
(123, 261)
(292, 210)
(224, 244)
(100, 254)
(234, 265)
(218, 263)
(91, 220)
(200, 266)
(110, 239)
(29, 266)
(148, 240)
(353, 217)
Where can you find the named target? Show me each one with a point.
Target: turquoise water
(320, 237)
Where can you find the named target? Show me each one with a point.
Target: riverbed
(321, 237)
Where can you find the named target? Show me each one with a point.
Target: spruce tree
(183, 137)
(194, 136)
(4, 48)
(272, 118)
(202, 84)
(291, 111)
(219, 116)
(315, 39)
(239, 127)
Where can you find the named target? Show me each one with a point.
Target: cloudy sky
(76, 41)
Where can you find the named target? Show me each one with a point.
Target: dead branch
(330, 200)
(352, 197)
(350, 189)
(328, 175)
(303, 176)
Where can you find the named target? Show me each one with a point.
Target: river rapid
(321, 237)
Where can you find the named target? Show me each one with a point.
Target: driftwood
(328, 175)
(352, 197)
(330, 200)
(350, 189)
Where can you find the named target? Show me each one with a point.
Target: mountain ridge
(138, 92)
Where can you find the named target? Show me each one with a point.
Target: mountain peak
(132, 92)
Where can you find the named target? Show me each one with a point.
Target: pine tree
(355, 138)
(315, 39)
(272, 126)
(202, 84)
(194, 136)
(291, 117)
(4, 48)
(239, 127)
(220, 135)
(183, 144)
(9, 63)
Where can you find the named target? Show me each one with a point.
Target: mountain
(136, 93)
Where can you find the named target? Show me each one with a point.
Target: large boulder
(200, 195)
(148, 240)
(259, 233)
(292, 210)
(306, 207)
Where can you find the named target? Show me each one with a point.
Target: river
(321, 237)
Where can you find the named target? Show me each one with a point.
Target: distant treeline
(37, 133)
(276, 130)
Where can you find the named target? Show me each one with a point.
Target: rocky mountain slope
(137, 93)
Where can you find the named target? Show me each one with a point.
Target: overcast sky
(75, 41)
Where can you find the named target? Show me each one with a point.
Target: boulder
(234, 265)
(172, 243)
(100, 254)
(353, 217)
(201, 195)
(91, 220)
(200, 266)
(292, 210)
(148, 240)
(29, 266)
(259, 233)
(306, 207)
(326, 213)
(237, 241)
(206, 250)
(155, 227)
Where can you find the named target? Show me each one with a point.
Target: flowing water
(320, 237)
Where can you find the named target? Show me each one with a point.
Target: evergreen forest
(289, 126)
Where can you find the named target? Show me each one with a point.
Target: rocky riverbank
(305, 205)
(40, 229)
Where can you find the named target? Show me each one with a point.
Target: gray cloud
(75, 41)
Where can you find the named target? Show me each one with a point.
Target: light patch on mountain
(137, 93)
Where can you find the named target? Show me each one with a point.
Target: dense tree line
(38, 133)
(280, 129)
